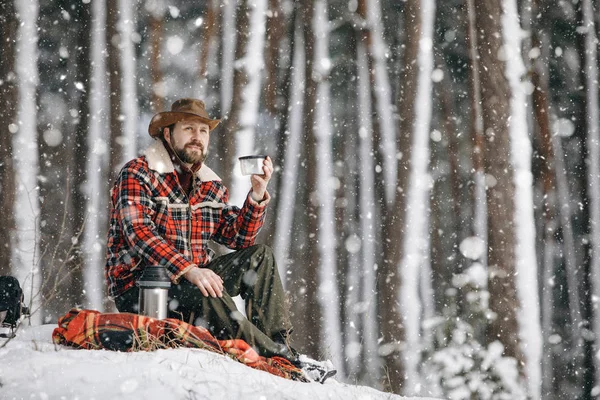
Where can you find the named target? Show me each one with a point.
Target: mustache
(199, 144)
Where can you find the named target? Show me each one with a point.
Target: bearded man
(166, 206)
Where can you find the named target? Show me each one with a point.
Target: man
(166, 206)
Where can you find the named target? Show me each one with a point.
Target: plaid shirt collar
(159, 160)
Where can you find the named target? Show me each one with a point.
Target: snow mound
(32, 367)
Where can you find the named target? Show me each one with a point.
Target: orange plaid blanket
(89, 329)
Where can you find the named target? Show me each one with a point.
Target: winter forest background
(436, 203)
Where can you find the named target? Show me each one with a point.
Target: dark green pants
(251, 273)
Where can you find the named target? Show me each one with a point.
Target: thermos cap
(154, 276)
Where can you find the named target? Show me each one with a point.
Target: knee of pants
(262, 252)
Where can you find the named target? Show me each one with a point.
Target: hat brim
(167, 118)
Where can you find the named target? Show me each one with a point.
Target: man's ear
(167, 134)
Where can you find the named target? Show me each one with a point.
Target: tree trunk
(26, 245)
(290, 172)
(324, 195)
(130, 112)
(368, 190)
(276, 31)
(115, 86)
(547, 171)
(156, 34)
(479, 194)
(278, 98)
(415, 257)
(207, 33)
(8, 115)
(243, 113)
(495, 95)
(97, 206)
(80, 149)
(313, 315)
(593, 164)
(521, 153)
(389, 281)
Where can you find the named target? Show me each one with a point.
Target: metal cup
(252, 165)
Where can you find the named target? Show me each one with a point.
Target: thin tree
(495, 95)
(328, 294)
(278, 94)
(289, 164)
(593, 160)
(155, 21)
(541, 110)
(81, 94)
(312, 313)
(242, 120)
(391, 324)
(126, 28)
(97, 220)
(368, 190)
(208, 31)
(114, 73)
(26, 255)
(8, 115)
(416, 244)
(479, 194)
(520, 151)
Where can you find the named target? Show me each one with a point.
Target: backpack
(11, 301)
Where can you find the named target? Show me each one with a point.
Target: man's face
(189, 140)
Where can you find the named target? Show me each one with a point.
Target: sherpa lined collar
(159, 161)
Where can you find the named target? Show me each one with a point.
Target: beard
(189, 156)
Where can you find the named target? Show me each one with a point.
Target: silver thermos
(154, 287)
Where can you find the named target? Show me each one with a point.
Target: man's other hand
(259, 182)
(209, 283)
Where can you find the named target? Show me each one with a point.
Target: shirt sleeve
(135, 209)
(238, 228)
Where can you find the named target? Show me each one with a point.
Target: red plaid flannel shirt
(153, 222)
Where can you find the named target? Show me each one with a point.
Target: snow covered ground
(32, 367)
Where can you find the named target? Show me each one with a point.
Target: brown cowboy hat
(181, 109)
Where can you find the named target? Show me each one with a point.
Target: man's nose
(196, 133)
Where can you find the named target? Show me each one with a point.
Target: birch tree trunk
(243, 114)
(126, 27)
(496, 93)
(26, 255)
(520, 150)
(383, 120)
(367, 209)
(328, 292)
(378, 174)
(97, 160)
(290, 166)
(416, 244)
(9, 26)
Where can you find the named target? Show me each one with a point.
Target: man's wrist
(256, 198)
